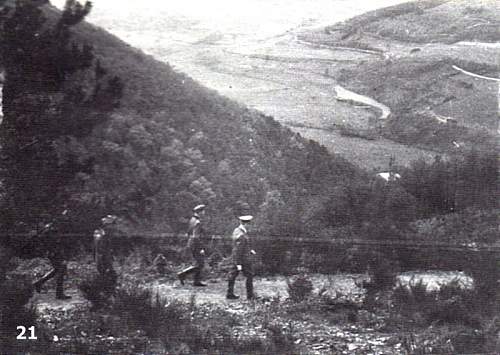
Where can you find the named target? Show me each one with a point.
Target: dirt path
(266, 288)
(215, 292)
(46, 301)
(319, 335)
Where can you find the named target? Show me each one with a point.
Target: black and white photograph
(276, 177)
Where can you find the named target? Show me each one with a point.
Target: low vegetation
(299, 288)
(139, 317)
(15, 294)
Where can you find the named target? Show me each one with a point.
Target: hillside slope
(433, 105)
(173, 143)
(428, 21)
(423, 47)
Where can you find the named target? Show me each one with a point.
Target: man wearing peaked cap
(245, 219)
(196, 245)
(109, 219)
(199, 208)
(241, 258)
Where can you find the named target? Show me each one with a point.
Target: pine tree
(55, 92)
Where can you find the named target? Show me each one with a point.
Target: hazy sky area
(251, 17)
(192, 35)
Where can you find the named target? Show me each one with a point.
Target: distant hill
(428, 21)
(421, 44)
(433, 104)
(173, 144)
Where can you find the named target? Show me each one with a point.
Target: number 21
(22, 330)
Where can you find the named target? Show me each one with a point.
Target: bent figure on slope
(196, 245)
(52, 241)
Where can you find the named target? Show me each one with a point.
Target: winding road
(474, 75)
(344, 94)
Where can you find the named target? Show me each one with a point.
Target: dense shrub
(382, 269)
(485, 270)
(55, 93)
(15, 294)
(451, 304)
(299, 288)
(281, 338)
(184, 325)
(98, 289)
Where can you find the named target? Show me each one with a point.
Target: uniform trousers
(233, 274)
(199, 263)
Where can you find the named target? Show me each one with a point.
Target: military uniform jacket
(195, 236)
(241, 246)
(53, 240)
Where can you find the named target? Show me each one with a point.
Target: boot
(197, 277)
(37, 286)
(181, 278)
(62, 296)
(39, 283)
(60, 292)
(249, 287)
(230, 290)
(59, 285)
(182, 275)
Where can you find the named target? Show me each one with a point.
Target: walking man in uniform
(52, 239)
(103, 238)
(241, 260)
(196, 245)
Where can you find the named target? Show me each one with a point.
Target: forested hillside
(124, 133)
(173, 143)
(165, 145)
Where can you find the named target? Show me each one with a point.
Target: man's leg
(55, 262)
(61, 272)
(110, 277)
(248, 272)
(230, 283)
(184, 273)
(197, 272)
(39, 283)
(190, 270)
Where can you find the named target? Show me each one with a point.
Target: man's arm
(239, 248)
(194, 241)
